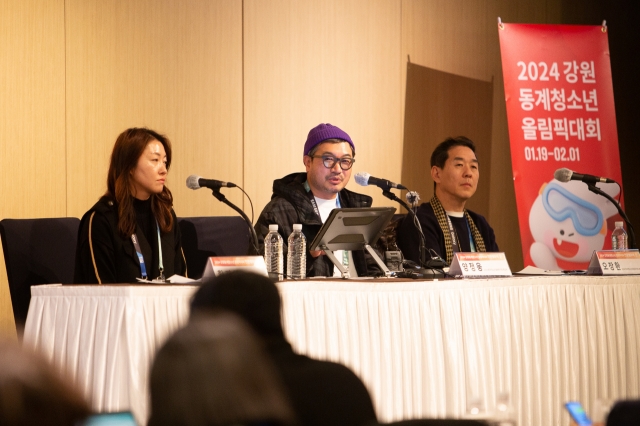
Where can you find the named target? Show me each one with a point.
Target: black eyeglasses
(330, 161)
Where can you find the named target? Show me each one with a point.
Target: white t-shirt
(325, 207)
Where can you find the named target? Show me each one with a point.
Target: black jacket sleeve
(95, 253)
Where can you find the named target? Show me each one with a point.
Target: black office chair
(37, 251)
(203, 237)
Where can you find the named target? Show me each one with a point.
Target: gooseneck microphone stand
(423, 247)
(429, 270)
(254, 237)
(632, 236)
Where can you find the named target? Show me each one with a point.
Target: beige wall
(321, 61)
(173, 66)
(32, 118)
(236, 85)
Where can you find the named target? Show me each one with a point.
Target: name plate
(219, 265)
(472, 265)
(614, 262)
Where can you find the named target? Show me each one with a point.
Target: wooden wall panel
(441, 105)
(172, 65)
(450, 35)
(32, 144)
(321, 61)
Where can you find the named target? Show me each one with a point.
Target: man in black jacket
(308, 198)
(322, 393)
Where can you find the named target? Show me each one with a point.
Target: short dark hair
(215, 371)
(441, 153)
(254, 297)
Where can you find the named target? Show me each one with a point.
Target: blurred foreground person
(322, 392)
(214, 372)
(33, 394)
(624, 413)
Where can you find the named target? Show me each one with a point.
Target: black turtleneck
(147, 223)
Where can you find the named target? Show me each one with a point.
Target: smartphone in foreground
(578, 414)
(124, 418)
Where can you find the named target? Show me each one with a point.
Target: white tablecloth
(105, 336)
(422, 348)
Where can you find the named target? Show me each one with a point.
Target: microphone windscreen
(563, 175)
(192, 182)
(413, 198)
(362, 178)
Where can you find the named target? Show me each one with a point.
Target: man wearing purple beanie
(308, 198)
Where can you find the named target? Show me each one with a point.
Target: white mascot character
(568, 222)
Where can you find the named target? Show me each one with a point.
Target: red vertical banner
(560, 111)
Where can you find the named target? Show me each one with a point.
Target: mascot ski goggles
(561, 204)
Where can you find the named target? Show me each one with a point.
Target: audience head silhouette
(254, 297)
(624, 413)
(214, 372)
(321, 392)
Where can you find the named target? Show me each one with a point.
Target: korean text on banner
(560, 111)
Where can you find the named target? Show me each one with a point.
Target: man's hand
(316, 253)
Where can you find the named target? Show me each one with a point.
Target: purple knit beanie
(321, 133)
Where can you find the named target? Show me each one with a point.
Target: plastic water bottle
(619, 237)
(273, 253)
(297, 256)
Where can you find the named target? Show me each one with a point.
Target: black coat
(103, 255)
(290, 204)
(409, 238)
(322, 392)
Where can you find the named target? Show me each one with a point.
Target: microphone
(365, 179)
(565, 175)
(196, 182)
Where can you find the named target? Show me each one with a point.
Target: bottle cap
(273, 227)
(620, 224)
(297, 227)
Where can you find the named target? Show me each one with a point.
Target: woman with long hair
(132, 232)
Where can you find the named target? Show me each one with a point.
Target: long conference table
(423, 348)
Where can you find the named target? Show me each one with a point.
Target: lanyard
(455, 242)
(345, 253)
(143, 267)
(313, 199)
(471, 243)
